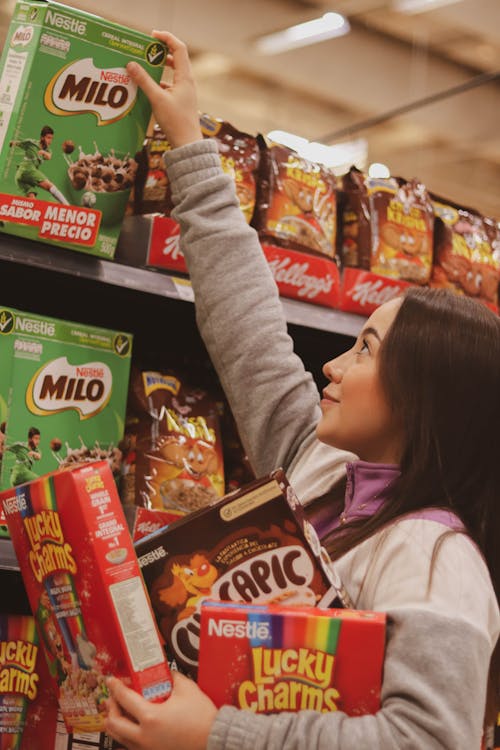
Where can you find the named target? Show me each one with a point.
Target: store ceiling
(326, 91)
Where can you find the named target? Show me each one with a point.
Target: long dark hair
(439, 365)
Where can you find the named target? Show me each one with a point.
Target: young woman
(396, 464)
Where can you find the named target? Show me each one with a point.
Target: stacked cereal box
(70, 125)
(254, 546)
(28, 708)
(85, 590)
(292, 658)
(63, 392)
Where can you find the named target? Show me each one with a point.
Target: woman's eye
(363, 349)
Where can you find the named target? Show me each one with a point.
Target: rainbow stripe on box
(59, 586)
(16, 677)
(286, 658)
(301, 629)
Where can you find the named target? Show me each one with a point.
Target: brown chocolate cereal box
(253, 546)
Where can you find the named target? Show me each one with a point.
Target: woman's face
(356, 415)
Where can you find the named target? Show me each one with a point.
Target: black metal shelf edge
(157, 282)
(8, 559)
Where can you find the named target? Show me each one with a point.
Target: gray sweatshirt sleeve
(433, 698)
(274, 400)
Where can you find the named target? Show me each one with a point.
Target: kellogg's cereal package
(291, 658)
(253, 546)
(85, 590)
(28, 706)
(386, 226)
(63, 393)
(71, 121)
(466, 252)
(296, 202)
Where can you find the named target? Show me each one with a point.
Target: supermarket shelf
(157, 282)
(8, 559)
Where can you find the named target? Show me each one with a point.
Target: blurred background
(413, 85)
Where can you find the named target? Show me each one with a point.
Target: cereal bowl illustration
(101, 180)
(116, 556)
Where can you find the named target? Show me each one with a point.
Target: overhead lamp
(337, 157)
(377, 169)
(330, 25)
(420, 6)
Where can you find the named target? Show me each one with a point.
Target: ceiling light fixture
(376, 169)
(338, 157)
(330, 25)
(420, 6)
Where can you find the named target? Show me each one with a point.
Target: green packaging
(63, 394)
(71, 122)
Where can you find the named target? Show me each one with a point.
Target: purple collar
(367, 489)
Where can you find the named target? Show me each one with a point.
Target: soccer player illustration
(29, 176)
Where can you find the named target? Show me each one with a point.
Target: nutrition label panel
(10, 82)
(136, 621)
(81, 740)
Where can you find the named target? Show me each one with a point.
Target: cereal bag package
(71, 122)
(296, 202)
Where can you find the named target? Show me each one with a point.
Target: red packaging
(298, 275)
(292, 658)
(303, 276)
(144, 521)
(362, 291)
(28, 706)
(85, 589)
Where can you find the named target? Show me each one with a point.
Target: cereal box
(292, 658)
(63, 393)
(253, 546)
(85, 590)
(71, 122)
(28, 707)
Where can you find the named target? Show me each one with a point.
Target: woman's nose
(332, 371)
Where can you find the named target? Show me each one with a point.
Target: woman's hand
(182, 722)
(175, 105)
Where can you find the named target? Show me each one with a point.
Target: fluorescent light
(330, 25)
(339, 157)
(290, 140)
(376, 169)
(420, 6)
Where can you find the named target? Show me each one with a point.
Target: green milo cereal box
(63, 394)
(71, 122)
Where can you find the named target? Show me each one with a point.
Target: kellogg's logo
(81, 87)
(373, 292)
(22, 36)
(298, 275)
(59, 386)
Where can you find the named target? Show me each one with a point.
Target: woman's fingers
(119, 726)
(142, 78)
(127, 699)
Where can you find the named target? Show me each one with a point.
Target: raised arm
(239, 314)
